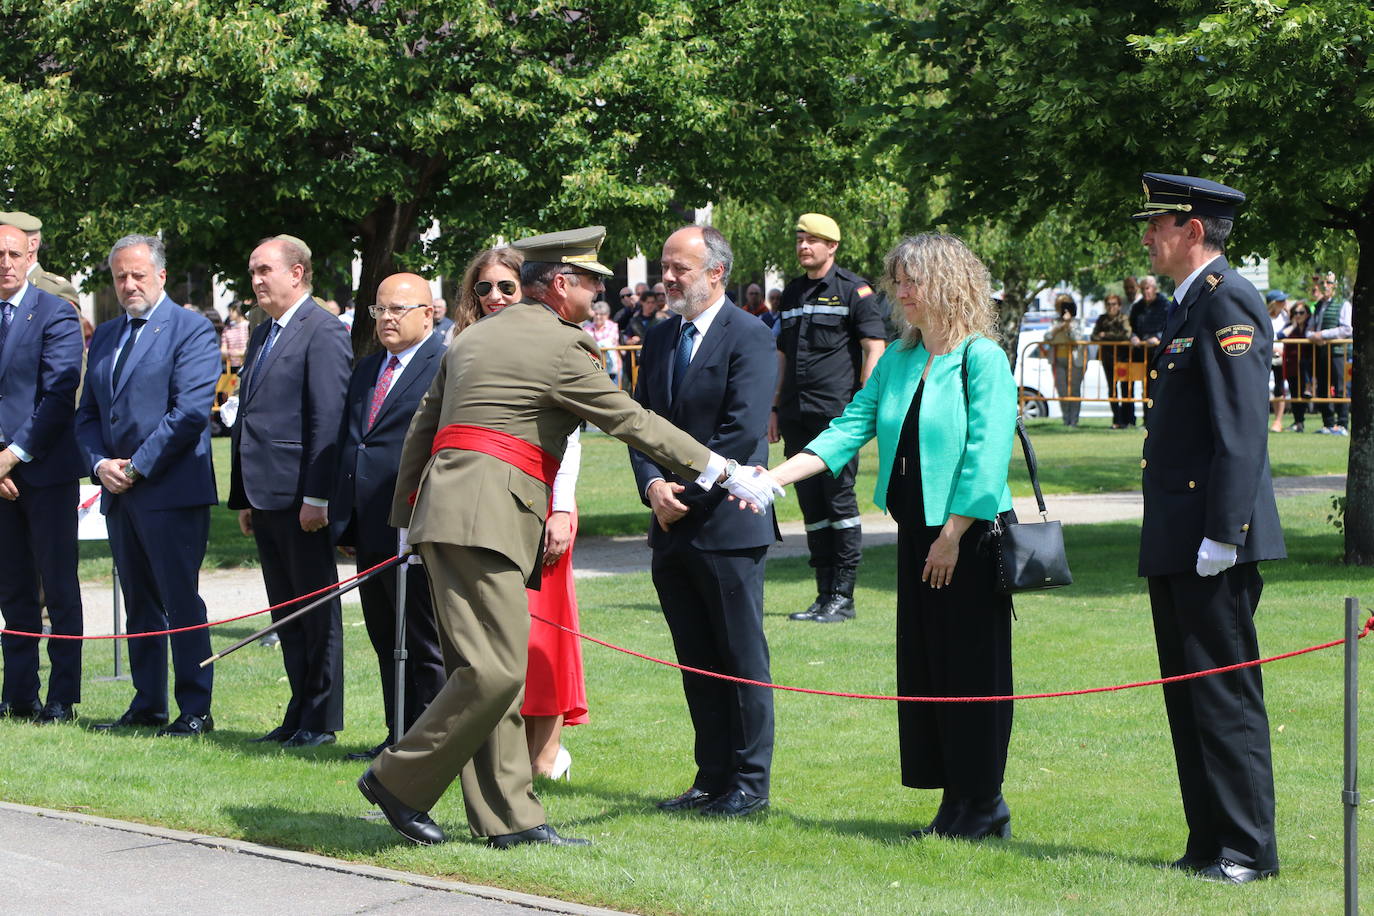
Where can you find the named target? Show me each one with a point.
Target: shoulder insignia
(595, 362)
(1214, 280)
(864, 290)
(1235, 339)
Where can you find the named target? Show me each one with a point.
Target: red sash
(513, 450)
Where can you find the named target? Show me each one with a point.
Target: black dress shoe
(415, 826)
(735, 803)
(951, 806)
(56, 712)
(10, 710)
(188, 726)
(1224, 871)
(981, 817)
(278, 734)
(307, 738)
(369, 754)
(543, 834)
(692, 798)
(1191, 862)
(130, 719)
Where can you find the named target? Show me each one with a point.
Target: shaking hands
(754, 487)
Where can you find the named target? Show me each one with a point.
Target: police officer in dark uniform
(831, 335)
(1210, 518)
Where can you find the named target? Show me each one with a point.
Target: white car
(1035, 378)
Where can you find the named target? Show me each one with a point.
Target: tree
(357, 125)
(1043, 104)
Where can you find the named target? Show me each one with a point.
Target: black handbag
(1026, 557)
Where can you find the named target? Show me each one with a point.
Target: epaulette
(1214, 280)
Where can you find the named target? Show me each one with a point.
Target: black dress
(951, 641)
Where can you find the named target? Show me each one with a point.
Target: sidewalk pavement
(228, 592)
(58, 862)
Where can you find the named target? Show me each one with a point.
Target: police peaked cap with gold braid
(1188, 196)
(574, 247)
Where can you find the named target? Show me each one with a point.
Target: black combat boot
(825, 575)
(839, 604)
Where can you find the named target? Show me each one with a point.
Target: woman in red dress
(555, 692)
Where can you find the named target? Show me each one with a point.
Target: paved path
(236, 591)
(55, 862)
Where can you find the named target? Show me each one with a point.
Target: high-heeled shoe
(951, 806)
(981, 817)
(562, 765)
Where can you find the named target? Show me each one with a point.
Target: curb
(311, 860)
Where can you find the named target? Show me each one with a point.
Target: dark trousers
(1123, 412)
(952, 641)
(38, 544)
(713, 603)
(159, 555)
(1331, 384)
(293, 563)
(424, 665)
(829, 507)
(1219, 724)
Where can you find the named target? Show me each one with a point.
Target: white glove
(229, 411)
(754, 487)
(1215, 557)
(402, 541)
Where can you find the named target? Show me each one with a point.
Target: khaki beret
(21, 220)
(819, 225)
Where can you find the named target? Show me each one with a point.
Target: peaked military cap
(819, 225)
(1193, 196)
(577, 247)
(20, 220)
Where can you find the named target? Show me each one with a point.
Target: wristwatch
(731, 466)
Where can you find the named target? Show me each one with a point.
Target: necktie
(383, 386)
(1173, 307)
(135, 325)
(262, 354)
(6, 312)
(683, 358)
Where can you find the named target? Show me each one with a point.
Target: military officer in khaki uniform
(45, 280)
(472, 494)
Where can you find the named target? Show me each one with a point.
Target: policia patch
(1235, 339)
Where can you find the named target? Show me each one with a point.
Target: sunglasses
(1302, 312)
(483, 288)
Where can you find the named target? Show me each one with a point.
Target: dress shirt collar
(703, 321)
(18, 297)
(148, 315)
(291, 312)
(403, 358)
(1187, 283)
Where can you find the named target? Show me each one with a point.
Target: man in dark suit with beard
(1210, 518)
(282, 477)
(382, 396)
(710, 371)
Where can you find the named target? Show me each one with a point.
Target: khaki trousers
(473, 728)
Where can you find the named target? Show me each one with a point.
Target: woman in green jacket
(942, 403)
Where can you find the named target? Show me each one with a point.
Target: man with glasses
(1331, 320)
(383, 393)
(473, 493)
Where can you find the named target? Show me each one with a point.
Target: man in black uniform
(1209, 519)
(831, 336)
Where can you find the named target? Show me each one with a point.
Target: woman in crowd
(1112, 330)
(1069, 361)
(1278, 320)
(233, 342)
(1297, 362)
(606, 333)
(942, 403)
(555, 693)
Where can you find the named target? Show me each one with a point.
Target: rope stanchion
(215, 623)
(1368, 627)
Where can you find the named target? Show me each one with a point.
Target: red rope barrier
(212, 623)
(1368, 626)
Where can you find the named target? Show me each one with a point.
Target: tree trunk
(385, 231)
(1359, 504)
(1009, 316)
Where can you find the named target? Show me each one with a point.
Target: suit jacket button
(1244, 527)
(1192, 484)
(1149, 402)
(114, 418)
(1147, 434)
(1142, 462)
(529, 503)
(1154, 373)
(1171, 365)
(361, 446)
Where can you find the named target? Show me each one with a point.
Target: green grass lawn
(1091, 780)
(1089, 459)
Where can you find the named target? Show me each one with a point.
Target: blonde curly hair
(951, 277)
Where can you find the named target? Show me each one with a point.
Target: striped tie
(383, 386)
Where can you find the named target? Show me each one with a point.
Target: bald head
(404, 312)
(15, 259)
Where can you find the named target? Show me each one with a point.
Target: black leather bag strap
(1026, 448)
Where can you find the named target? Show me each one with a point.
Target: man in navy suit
(284, 467)
(40, 470)
(144, 426)
(710, 371)
(382, 396)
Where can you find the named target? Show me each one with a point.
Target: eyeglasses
(507, 287)
(1302, 312)
(391, 311)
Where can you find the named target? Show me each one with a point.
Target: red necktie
(379, 393)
